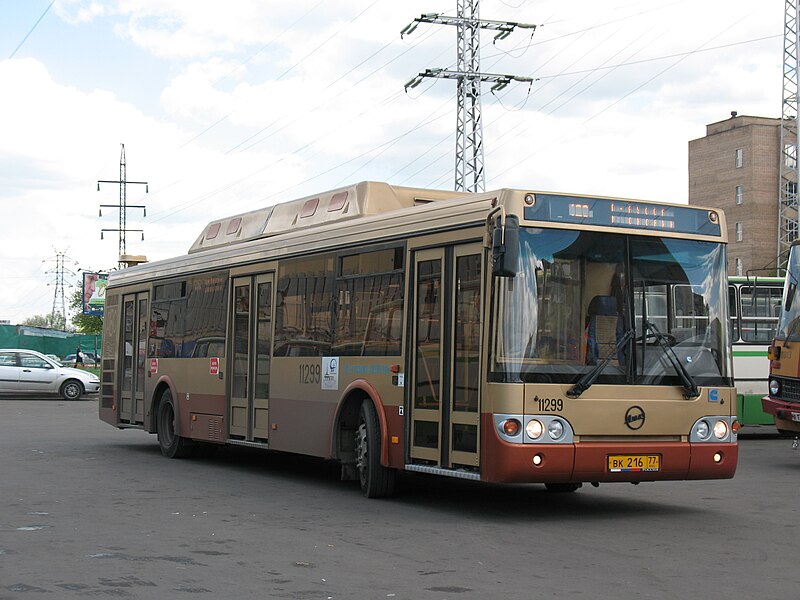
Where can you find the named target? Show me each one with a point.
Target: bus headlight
(774, 387)
(555, 429)
(702, 430)
(713, 429)
(534, 429)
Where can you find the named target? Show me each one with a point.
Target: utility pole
(60, 271)
(787, 191)
(123, 207)
(469, 171)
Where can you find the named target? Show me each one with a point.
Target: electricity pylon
(58, 318)
(469, 172)
(123, 206)
(787, 191)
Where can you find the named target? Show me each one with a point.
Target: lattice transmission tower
(123, 207)
(469, 167)
(787, 192)
(58, 316)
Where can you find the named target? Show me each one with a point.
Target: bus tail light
(774, 352)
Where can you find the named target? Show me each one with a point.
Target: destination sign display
(622, 213)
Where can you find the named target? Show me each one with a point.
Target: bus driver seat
(601, 328)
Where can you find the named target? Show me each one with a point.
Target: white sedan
(27, 372)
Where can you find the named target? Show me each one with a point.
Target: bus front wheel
(171, 444)
(376, 480)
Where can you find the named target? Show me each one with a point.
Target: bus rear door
(135, 321)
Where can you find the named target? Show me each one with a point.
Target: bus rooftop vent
(352, 202)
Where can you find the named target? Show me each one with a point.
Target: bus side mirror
(505, 247)
(790, 296)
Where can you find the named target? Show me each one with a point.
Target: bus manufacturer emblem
(634, 417)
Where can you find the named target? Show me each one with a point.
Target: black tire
(376, 480)
(172, 445)
(71, 389)
(785, 433)
(562, 488)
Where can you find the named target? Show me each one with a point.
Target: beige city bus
(504, 336)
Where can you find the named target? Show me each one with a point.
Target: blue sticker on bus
(713, 396)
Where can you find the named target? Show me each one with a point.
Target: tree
(88, 324)
(49, 321)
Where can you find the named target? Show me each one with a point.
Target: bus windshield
(638, 304)
(789, 323)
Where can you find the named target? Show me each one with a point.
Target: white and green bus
(755, 305)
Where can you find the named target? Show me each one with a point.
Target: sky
(228, 107)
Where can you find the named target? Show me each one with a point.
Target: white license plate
(795, 416)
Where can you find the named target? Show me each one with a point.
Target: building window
(739, 157)
(739, 267)
(790, 193)
(738, 232)
(739, 194)
(790, 156)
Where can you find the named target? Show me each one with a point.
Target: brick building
(735, 167)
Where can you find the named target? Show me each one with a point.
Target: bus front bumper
(595, 461)
(787, 414)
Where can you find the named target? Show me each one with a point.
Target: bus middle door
(251, 348)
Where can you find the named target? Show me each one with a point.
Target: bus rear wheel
(376, 480)
(171, 444)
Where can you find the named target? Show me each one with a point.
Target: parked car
(54, 357)
(89, 359)
(27, 372)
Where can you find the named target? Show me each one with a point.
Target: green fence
(48, 341)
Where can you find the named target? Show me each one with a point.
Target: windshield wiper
(689, 385)
(585, 382)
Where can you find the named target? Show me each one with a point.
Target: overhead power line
(35, 25)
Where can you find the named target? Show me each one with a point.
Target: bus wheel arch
(171, 443)
(377, 480)
(352, 429)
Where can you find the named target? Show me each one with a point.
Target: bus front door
(251, 346)
(135, 321)
(445, 403)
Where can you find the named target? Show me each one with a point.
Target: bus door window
(127, 340)
(263, 339)
(141, 355)
(760, 307)
(241, 340)
(733, 310)
(428, 338)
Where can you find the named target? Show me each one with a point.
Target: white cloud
(264, 100)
